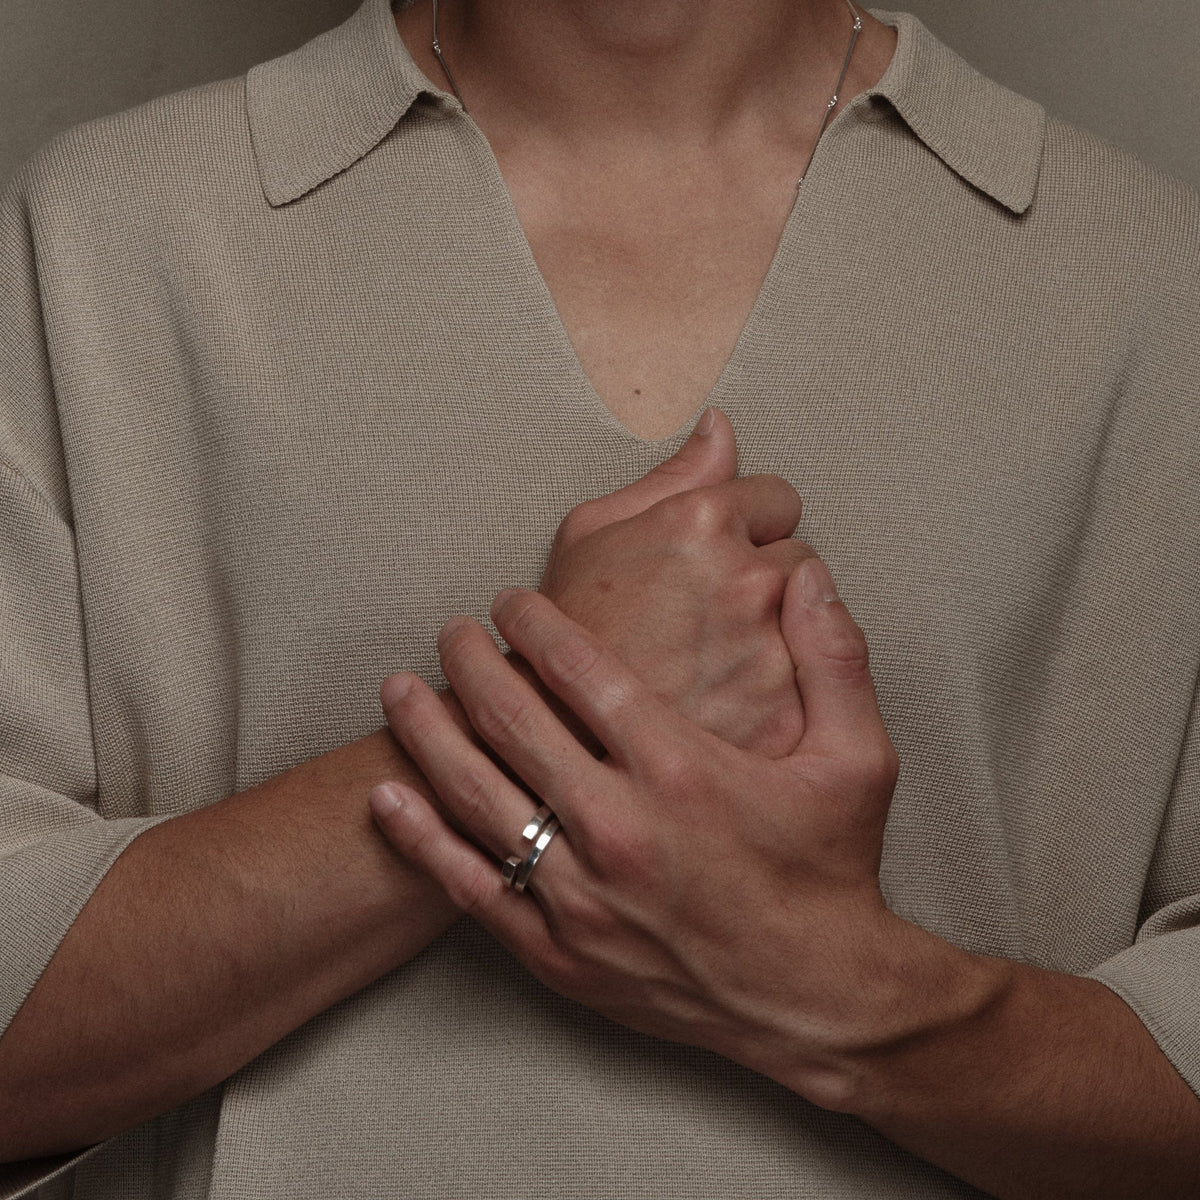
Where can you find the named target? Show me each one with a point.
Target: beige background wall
(1127, 69)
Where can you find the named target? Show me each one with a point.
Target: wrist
(905, 998)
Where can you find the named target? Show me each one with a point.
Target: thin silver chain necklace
(837, 87)
(829, 107)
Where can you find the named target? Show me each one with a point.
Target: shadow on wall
(63, 64)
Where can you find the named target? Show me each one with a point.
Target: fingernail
(708, 418)
(395, 688)
(502, 598)
(816, 584)
(385, 799)
(450, 627)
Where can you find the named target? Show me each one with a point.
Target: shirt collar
(315, 112)
(986, 134)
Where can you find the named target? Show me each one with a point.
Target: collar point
(315, 112)
(989, 136)
(279, 193)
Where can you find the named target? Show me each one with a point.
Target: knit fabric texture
(281, 388)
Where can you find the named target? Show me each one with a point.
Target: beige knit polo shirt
(281, 388)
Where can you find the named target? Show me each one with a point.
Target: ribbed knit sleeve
(54, 845)
(1159, 975)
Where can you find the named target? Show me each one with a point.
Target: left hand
(695, 891)
(681, 575)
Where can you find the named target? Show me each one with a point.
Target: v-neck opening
(562, 338)
(556, 328)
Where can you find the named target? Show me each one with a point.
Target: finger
(475, 794)
(766, 508)
(708, 456)
(628, 719)
(509, 714)
(760, 508)
(470, 880)
(842, 718)
(787, 554)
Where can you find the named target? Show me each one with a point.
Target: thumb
(708, 457)
(842, 722)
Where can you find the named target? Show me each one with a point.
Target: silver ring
(535, 823)
(539, 830)
(510, 866)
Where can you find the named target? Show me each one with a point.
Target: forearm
(1025, 1082)
(214, 935)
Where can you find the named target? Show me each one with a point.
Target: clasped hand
(714, 889)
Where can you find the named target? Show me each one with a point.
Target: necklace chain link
(829, 107)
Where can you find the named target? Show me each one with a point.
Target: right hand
(682, 575)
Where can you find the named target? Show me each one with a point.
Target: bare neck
(684, 71)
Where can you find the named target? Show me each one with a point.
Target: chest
(329, 474)
(653, 283)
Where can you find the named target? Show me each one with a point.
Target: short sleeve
(1159, 975)
(55, 847)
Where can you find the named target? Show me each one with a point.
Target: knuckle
(504, 720)
(626, 865)
(874, 766)
(847, 655)
(521, 615)
(570, 659)
(421, 842)
(476, 798)
(697, 515)
(471, 890)
(887, 766)
(756, 588)
(709, 512)
(583, 519)
(581, 916)
(671, 771)
(784, 493)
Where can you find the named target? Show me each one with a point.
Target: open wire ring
(539, 831)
